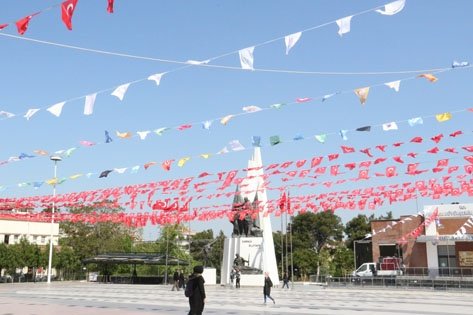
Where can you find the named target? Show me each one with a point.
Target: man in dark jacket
(267, 288)
(197, 299)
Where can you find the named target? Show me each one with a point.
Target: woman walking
(267, 288)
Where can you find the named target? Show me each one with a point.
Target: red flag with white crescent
(22, 25)
(110, 6)
(67, 10)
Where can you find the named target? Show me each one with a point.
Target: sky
(41, 68)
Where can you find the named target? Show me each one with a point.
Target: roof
(134, 258)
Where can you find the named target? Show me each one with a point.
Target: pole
(287, 262)
(167, 251)
(282, 247)
(189, 240)
(55, 159)
(354, 252)
(292, 257)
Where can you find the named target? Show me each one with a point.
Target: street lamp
(56, 159)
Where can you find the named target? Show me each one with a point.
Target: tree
(356, 229)
(88, 239)
(314, 231)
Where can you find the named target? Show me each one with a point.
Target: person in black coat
(267, 288)
(197, 300)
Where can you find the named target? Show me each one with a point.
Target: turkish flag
(230, 176)
(282, 201)
(412, 168)
(334, 170)
(110, 6)
(346, 149)
(316, 161)
(398, 144)
(363, 174)
(452, 169)
(22, 25)
(442, 163)
(320, 170)
(365, 164)
(450, 150)
(469, 168)
(333, 156)
(300, 163)
(390, 171)
(2, 26)
(469, 148)
(67, 10)
(412, 154)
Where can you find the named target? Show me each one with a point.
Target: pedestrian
(232, 275)
(182, 281)
(175, 278)
(195, 286)
(285, 280)
(267, 288)
(237, 278)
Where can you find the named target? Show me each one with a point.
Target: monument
(250, 248)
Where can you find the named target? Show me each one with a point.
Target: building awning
(134, 259)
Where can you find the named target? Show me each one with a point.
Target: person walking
(267, 288)
(196, 291)
(175, 278)
(237, 278)
(285, 280)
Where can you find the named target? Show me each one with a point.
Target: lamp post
(56, 159)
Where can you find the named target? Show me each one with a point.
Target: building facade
(442, 246)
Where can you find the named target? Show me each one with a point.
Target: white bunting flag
(344, 25)
(291, 40)
(6, 114)
(206, 124)
(246, 58)
(223, 151)
(56, 109)
(156, 78)
(143, 134)
(251, 109)
(393, 7)
(394, 85)
(120, 170)
(197, 62)
(235, 145)
(120, 91)
(30, 113)
(390, 126)
(89, 104)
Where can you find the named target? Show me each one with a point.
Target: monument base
(251, 250)
(210, 275)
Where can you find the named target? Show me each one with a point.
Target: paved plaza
(71, 298)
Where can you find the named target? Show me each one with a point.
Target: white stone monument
(258, 251)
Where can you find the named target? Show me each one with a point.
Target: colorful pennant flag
(443, 117)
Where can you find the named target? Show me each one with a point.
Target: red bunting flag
(379, 160)
(300, 163)
(110, 6)
(398, 144)
(433, 150)
(363, 174)
(365, 164)
(450, 150)
(367, 152)
(398, 159)
(286, 164)
(412, 154)
(442, 163)
(469, 158)
(350, 166)
(437, 138)
(333, 156)
(468, 148)
(346, 149)
(456, 133)
(166, 165)
(22, 25)
(282, 201)
(67, 10)
(417, 140)
(334, 170)
(452, 169)
(469, 168)
(316, 161)
(2, 26)
(381, 147)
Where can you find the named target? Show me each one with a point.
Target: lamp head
(55, 158)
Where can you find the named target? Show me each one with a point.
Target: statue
(239, 262)
(242, 218)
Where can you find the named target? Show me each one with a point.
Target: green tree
(342, 261)
(314, 231)
(356, 229)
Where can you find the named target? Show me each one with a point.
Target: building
(436, 242)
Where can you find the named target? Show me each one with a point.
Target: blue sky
(425, 35)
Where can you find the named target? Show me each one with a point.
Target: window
(447, 259)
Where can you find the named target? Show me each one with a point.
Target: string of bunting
(67, 11)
